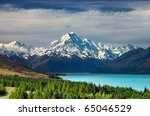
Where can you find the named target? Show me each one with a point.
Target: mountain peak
(131, 46)
(72, 33)
(71, 36)
(70, 44)
(16, 43)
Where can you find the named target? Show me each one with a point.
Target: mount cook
(69, 54)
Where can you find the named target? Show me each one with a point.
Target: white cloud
(43, 26)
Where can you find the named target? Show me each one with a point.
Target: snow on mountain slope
(20, 49)
(68, 45)
(15, 48)
(112, 52)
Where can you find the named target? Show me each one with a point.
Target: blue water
(138, 82)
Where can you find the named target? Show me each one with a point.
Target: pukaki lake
(137, 82)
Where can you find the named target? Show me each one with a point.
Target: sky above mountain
(39, 22)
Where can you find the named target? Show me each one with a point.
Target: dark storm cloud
(106, 21)
(71, 5)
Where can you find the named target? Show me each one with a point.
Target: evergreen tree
(2, 90)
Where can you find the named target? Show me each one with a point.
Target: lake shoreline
(64, 74)
(138, 82)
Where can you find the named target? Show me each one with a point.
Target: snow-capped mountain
(19, 50)
(69, 54)
(15, 48)
(71, 45)
(68, 45)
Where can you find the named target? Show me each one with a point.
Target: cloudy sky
(38, 22)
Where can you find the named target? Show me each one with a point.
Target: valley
(28, 72)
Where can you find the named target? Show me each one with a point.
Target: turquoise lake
(138, 82)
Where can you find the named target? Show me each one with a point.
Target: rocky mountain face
(133, 62)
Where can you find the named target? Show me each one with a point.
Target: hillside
(11, 68)
(133, 62)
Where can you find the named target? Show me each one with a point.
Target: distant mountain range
(69, 54)
(11, 68)
(68, 46)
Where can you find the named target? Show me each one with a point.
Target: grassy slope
(11, 68)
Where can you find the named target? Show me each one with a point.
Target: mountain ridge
(69, 54)
(133, 62)
(67, 46)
